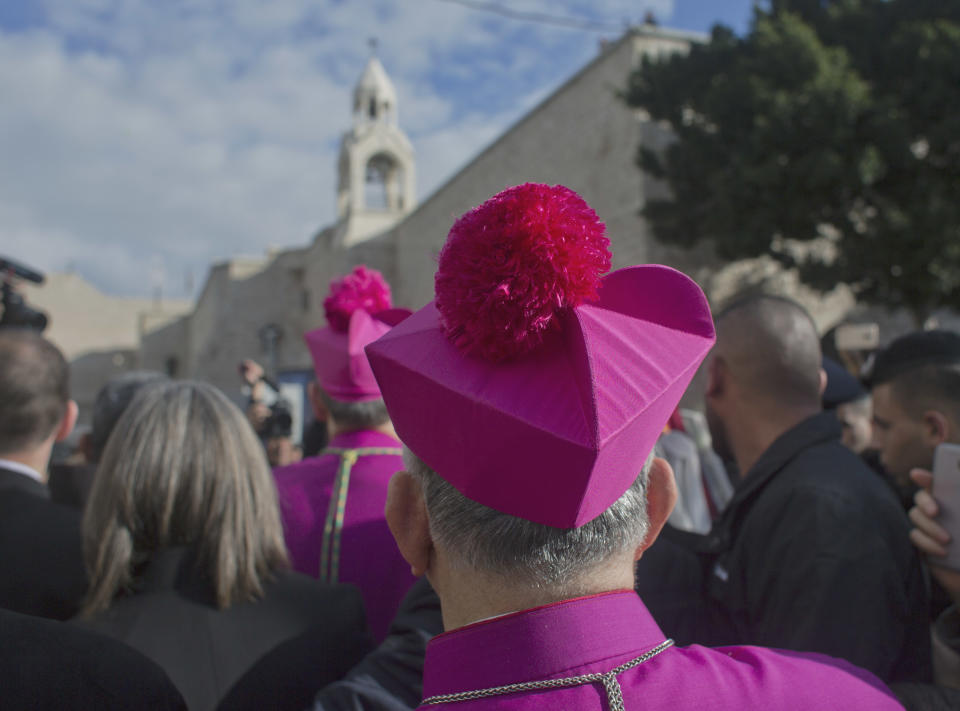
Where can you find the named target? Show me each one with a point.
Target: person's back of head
(559, 561)
(915, 384)
(764, 376)
(183, 467)
(112, 399)
(771, 347)
(34, 391)
(344, 416)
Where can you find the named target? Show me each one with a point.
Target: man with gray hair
(332, 504)
(811, 552)
(530, 395)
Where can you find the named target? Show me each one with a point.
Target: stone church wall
(582, 136)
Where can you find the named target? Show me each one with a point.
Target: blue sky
(138, 133)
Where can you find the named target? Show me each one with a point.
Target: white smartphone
(857, 336)
(946, 490)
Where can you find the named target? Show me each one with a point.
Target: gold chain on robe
(333, 526)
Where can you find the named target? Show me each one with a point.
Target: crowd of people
(506, 507)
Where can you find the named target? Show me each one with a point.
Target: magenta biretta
(532, 383)
(359, 311)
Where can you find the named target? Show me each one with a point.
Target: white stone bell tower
(377, 184)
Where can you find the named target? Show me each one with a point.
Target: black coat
(390, 678)
(812, 554)
(70, 484)
(53, 665)
(171, 617)
(41, 561)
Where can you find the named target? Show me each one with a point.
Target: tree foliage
(835, 119)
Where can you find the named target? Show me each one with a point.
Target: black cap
(915, 350)
(842, 387)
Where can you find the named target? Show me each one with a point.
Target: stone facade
(582, 136)
(100, 335)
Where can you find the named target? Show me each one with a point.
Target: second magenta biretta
(359, 311)
(532, 383)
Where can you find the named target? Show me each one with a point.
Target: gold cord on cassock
(333, 525)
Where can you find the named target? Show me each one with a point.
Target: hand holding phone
(946, 492)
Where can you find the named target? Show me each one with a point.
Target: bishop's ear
(716, 376)
(661, 498)
(319, 407)
(406, 514)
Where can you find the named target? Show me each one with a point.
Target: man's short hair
(912, 352)
(34, 389)
(771, 342)
(114, 397)
(929, 387)
(923, 370)
(363, 415)
(537, 555)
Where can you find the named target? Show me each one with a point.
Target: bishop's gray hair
(532, 553)
(363, 415)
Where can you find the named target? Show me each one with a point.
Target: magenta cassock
(368, 556)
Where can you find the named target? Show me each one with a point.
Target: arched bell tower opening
(376, 167)
(383, 187)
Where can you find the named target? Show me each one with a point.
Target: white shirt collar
(21, 468)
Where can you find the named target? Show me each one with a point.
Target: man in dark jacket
(41, 566)
(916, 387)
(811, 553)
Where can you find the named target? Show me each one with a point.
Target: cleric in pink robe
(529, 396)
(332, 504)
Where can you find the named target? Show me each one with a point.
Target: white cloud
(198, 129)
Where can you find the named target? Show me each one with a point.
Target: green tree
(834, 119)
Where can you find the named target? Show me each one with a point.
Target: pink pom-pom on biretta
(510, 265)
(362, 289)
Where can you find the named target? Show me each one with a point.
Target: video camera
(280, 421)
(16, 313)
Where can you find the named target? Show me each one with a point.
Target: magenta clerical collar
(540, 643)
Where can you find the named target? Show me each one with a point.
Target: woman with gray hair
(184, 548)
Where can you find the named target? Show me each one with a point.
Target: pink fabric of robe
(368, 556)
(598, 633)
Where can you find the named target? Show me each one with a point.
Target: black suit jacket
(171, 617)
(52, 665)
(70, 484)
(41, 561)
